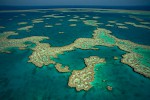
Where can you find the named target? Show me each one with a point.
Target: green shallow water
(75, 58)
(24, 81)
(20, 80)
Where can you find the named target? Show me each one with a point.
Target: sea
(21, 80)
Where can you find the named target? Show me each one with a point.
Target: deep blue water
(74, 6)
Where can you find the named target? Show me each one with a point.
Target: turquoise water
(75, 59)
(20, 80)
(24, 81)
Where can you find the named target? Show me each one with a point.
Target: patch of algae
(6, 44)
(81, 78)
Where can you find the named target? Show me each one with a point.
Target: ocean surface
(147, 8)
(21, 80)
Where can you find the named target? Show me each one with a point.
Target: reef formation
(43, 54)
(7, 44)
(81, 79)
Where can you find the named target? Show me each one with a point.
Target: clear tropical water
(20, 80)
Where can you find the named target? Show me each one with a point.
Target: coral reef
(136, 25)
(53, 16)
(72, 20)
(109, 25)
(6, 44)
(40, 20)
(72, 25)
(109, 88)
(61, 69)
(91, 22)
(48, 26)
(61, 32)
(22, 23)
(123, 27)
(100, 37)
(136, 18)
(80, 79)
(25, 28)
(116, 58)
